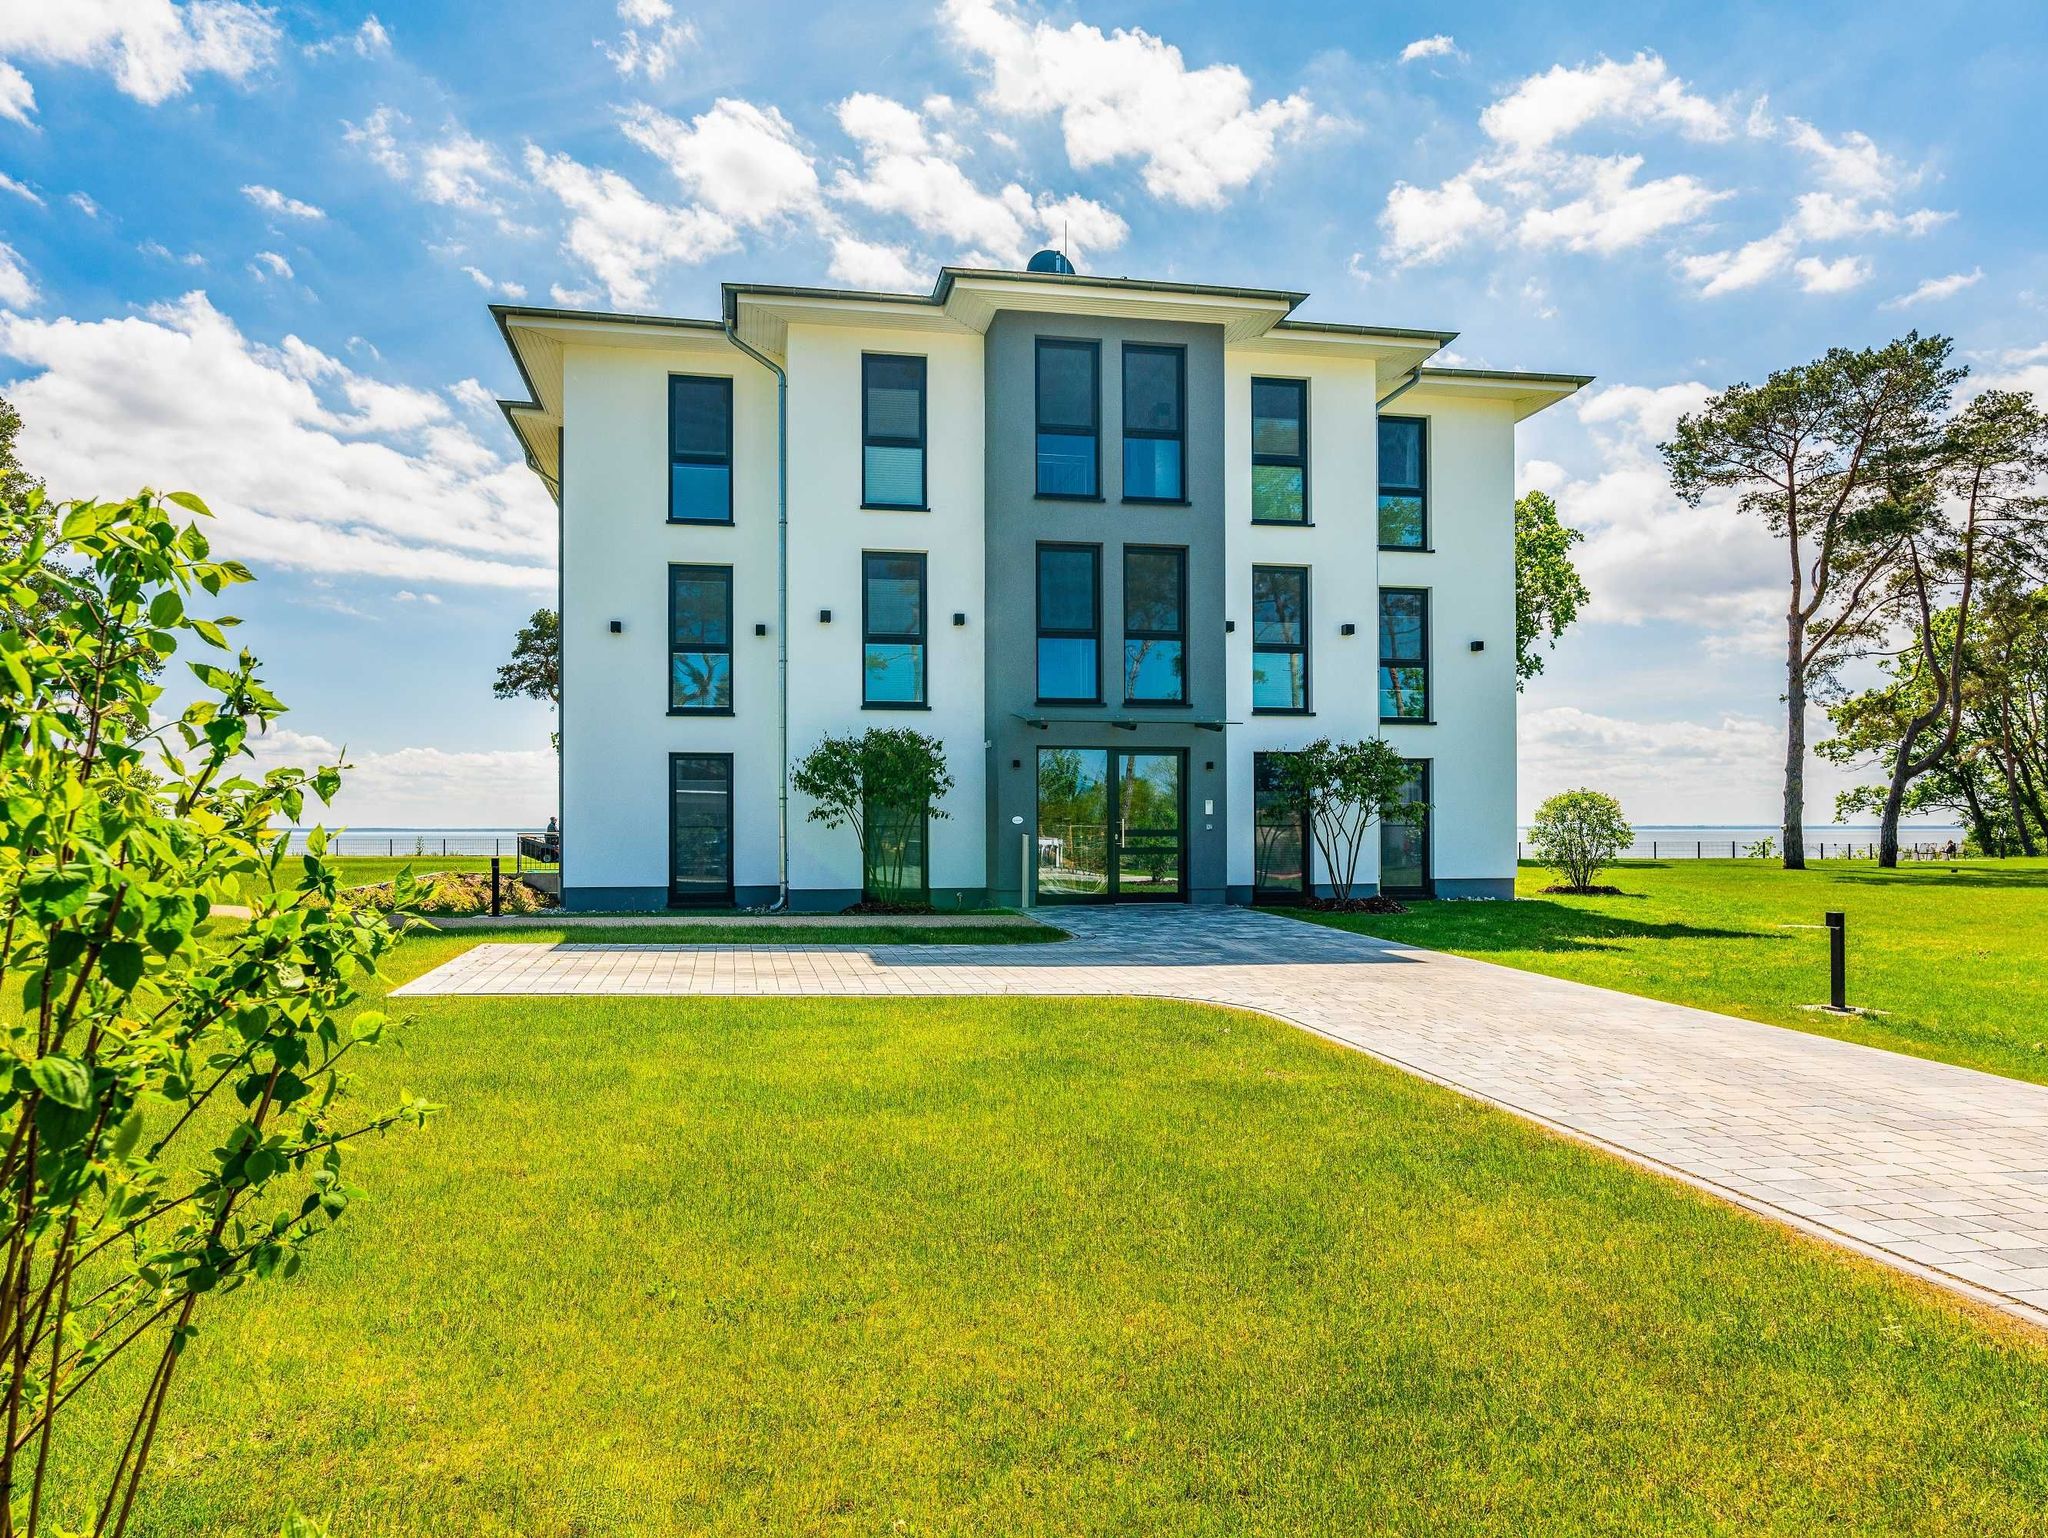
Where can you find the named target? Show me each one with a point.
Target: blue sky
(246, 250)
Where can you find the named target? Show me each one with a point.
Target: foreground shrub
(1577, 833)
(173, 1115)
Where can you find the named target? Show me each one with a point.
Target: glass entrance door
(1112, 826)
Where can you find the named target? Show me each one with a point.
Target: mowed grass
(1050, 1267)
(1953, 955)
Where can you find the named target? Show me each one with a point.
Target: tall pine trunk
(1795, 740)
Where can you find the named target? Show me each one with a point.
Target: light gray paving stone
(1940, 1170)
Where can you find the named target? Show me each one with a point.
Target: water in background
(1716, 841)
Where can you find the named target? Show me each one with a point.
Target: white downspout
(732, 335)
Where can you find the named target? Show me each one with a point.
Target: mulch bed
(1354, 905)
(889, 910)
(1584, 891)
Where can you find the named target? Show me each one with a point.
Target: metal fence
(1738, 849)
(520, 851)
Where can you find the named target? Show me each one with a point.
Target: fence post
(1699, 849)
(497, 904)
(1838, 962)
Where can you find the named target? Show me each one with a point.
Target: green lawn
(1955, 955)
(1052, 1266)
(365, 870)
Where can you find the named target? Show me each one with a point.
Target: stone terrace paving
(1937, 1170)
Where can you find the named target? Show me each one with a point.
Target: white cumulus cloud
(152, 48)
(1127, 95)
(307, 462)
(1936, 288)
(17, 288)
(1441, 46)
(271, 201)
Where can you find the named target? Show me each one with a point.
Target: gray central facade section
(1019, 521)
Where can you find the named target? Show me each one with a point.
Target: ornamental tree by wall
(1577, 833)
(1548, 589)
(885, 783)
(173, 1118)
(1345, 788)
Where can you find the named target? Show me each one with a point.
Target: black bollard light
(496, 906)
(1838, 962)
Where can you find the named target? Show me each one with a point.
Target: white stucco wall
(1339, 549)
(616, 550)
(829, 530)
(1469, 572)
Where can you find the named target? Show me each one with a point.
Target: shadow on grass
(1528, 924)
(1936, 874)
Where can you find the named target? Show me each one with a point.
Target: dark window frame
(726, 460)
(1093, 348)
(1281, 894)
(709, 899)
(922, 639)
(1287, 461)
(1040, 633)
(922, 444)
(1420, 492)
(1425, 769)
(1307, 705)
(1148, 434)
(924, 852)
(699, 568)
(1428, 716)
(1180, 553)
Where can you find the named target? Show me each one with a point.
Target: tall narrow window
(1279, 451)
(1155, 625)
(1404, 654)
(892, 630)
(1404, 842)
(1069, 389)
(1404, 494)
(1280, 832)
(699, 829)
(892, 428)
(699, 449)
(896, 854)
(1070, 623)
(1154, 423)
(1280, 639)
(700, 640)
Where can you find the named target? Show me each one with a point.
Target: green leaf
(62, 1079)
(55, 894)
(166, 609)
(122, 962)
(128, 1134)
(190, 503)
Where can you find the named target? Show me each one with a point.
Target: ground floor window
(898, 855)
(1280, 834)
(700, 829)
(1404, 846)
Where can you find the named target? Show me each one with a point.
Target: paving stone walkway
(1940, 1171)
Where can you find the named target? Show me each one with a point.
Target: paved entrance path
(1938, 1170)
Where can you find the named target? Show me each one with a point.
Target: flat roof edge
(1508, 376)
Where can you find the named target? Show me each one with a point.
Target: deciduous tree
(1548, 589)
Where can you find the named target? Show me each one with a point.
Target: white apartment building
(1112, 542)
